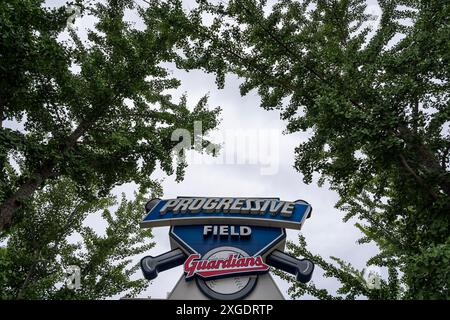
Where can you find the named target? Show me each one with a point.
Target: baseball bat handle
(151, 266)
(302, 269)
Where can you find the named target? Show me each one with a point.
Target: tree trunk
(20, 294)
(10, 206)
(426, 160)
(27, 189)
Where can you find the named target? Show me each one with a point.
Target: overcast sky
(325, 232)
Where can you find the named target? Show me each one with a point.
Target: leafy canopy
(375, 100)
(93, 108)
(55, 235)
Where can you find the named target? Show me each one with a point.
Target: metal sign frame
(153, 218)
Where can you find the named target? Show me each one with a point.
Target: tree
(353, 283)
(376, 102)
(93, 110)
(41, 247)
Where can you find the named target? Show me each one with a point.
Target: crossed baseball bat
(302, 269)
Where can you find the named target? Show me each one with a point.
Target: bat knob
(304, 271)
(149, 266)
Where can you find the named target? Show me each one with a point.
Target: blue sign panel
(267, 212)
(202, 239)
